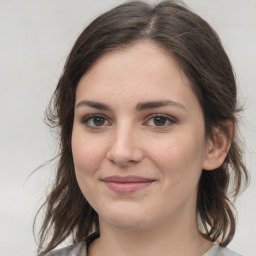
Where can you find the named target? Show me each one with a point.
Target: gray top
(81, 250)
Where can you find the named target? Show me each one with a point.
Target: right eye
(95, 121)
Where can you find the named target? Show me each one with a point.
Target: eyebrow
(139, 107)
(93, 104)
(157, 104)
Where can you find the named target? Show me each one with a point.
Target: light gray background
(35, 38)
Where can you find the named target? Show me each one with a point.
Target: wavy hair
(199, 52)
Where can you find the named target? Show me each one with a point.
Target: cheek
(86, 154)
(180, 164)
(86, 157)
(179, 155)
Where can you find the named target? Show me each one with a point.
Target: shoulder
(74, 250)
(217, 250)
(79, 249)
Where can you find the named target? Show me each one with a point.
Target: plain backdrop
(35, 38)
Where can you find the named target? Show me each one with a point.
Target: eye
(159, 120)
(95, 121)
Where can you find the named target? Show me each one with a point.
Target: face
(138, 138)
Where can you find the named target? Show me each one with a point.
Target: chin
(128, 223)
(129, 220)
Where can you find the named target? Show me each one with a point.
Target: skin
(170, 149)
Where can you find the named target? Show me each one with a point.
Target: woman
(146, 109)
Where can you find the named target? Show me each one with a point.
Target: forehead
(143, 71)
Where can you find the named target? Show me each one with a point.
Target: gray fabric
(77, 250)
(216, 250)
(81, 250)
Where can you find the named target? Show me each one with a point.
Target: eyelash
(166, 118)
(88, 118)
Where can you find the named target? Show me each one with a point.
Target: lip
(126, 184)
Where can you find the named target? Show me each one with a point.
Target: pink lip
(127, 184)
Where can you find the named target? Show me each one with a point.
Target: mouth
(127, 184)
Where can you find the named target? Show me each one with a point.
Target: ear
(218, 146)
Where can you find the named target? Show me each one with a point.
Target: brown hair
(199, 52)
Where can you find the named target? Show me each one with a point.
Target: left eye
(160, 121)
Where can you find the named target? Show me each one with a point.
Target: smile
(128, 184)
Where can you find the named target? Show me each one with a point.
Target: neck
(179, 238)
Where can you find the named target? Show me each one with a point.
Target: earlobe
(218, 146)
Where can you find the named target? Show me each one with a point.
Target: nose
(125, 148)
